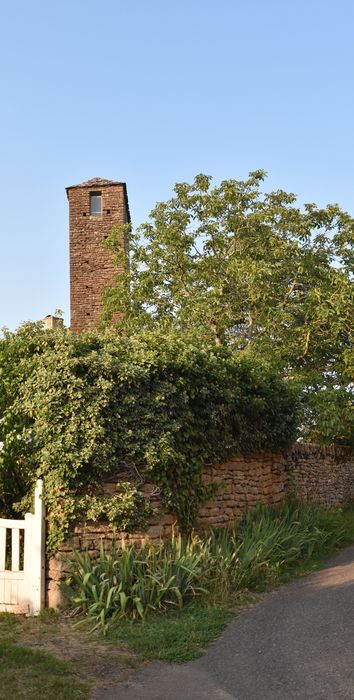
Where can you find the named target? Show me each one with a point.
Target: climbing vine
(74, 408)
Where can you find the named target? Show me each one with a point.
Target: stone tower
(95, 207)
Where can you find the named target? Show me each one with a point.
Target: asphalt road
(297, 643)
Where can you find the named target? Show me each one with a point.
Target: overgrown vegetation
(127, 583)
(180, 635)
(253, 271)
(156, 406)
(234, 302)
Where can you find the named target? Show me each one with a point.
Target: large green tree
(255, 271)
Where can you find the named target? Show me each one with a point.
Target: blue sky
(155, 92)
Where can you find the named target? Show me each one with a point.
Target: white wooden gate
(22, 560)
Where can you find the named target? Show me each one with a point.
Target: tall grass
(271, 540)
(126, 582)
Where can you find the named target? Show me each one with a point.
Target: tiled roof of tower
(95, 182)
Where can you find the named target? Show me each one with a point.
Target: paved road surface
(297, 643)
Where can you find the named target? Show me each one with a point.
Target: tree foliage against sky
(256, 272)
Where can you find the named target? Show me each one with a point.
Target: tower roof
(96, 182)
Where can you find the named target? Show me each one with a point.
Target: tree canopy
(258, 273)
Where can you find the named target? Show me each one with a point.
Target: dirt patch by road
(100, 662)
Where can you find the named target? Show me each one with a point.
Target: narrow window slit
(95, 203)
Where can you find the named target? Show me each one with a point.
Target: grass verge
(47, 657)
(32, 674)
(175, 636)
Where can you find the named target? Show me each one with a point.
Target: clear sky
(154, 92)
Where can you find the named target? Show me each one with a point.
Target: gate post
(35, 553)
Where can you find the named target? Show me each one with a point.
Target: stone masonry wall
(91, 265)
(318, 474)
(321, 474)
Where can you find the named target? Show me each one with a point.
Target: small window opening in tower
(95, 203)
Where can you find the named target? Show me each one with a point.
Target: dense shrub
(129, 583)
(75, 407)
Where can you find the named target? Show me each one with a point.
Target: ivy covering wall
(76, 407)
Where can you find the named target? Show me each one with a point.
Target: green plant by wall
(271, 540)
(76, 407)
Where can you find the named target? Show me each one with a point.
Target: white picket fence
(22, 560)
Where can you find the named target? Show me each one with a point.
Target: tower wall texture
(91, 265)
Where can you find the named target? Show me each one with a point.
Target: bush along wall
(74, 408)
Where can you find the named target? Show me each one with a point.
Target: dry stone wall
(320, 474)
(314, 473)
